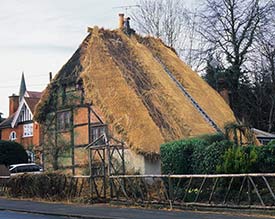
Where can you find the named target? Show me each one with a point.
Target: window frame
(13, 136)
(99, 132)
(63, 120)
(30, 127)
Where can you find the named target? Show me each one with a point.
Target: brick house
(19, 126)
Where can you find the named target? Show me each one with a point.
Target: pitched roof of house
(31, 103)
(7, 122)
(139, 83)
(33, 94)
(262, 134)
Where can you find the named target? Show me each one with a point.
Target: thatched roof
(124, 78)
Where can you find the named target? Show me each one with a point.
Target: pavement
(105, 211)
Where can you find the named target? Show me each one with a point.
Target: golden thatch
(123, 77)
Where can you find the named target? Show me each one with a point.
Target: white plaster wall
(152, 166)
(134, 163)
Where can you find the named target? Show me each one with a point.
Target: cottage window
(13, 136)
(28, 130)
(97, 131)
(63, 120)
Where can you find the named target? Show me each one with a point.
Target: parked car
(16, 169)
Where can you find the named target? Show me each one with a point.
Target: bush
(176, 156)
(193, 156)
(265, 160)
(210, 154)
(12, 153)
(239, 159)
(205, 159)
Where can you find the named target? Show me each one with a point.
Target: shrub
(265, 160)
(206, 158)
(193, 156)
(176, 156)
(12, 153)
(239, 159)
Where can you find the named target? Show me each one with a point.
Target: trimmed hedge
(12, 153)
(211, 154)
(193, 156)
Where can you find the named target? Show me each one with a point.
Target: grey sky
(39, 36)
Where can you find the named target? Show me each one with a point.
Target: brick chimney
(225, 95)
(14, 104)
(121, 21)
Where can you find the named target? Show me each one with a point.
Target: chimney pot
(121, 21)
(14, 104)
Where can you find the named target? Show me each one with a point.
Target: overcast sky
(39, 36)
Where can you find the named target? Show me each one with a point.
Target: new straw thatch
(124, 79)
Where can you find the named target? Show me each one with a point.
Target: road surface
(16, 215)
(18, 209)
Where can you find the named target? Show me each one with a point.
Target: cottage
(134, 88)
(19, 126)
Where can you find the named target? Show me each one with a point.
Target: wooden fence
(224, 190)
(3, 184)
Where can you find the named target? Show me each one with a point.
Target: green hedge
(195, 155)
(12, 153)
(211, 154)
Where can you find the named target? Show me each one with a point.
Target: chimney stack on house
(121, 21)
(223, 90)
(225, 95)
(14, 104)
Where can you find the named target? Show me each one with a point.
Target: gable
(23, 113)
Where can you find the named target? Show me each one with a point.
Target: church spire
(23, 88)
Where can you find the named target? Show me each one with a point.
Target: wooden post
(241, 189)
(89, 124)
(269, 188)
(123, 160)
(213, 190)
(72, 140)
(249, 192)
(257, 191)
(228, 190)
(202, 184)
(187, 189)
(171, 189)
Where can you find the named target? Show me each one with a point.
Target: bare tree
(263, 68)
(163, 18)
(230, 28)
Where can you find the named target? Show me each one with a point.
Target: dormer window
(12, 136)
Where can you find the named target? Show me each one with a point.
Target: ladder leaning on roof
(190, 98)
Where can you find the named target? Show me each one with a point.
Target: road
(18, 209)
(16, 215)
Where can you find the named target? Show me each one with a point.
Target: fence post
(171, 189)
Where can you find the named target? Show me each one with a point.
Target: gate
(106, 158)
